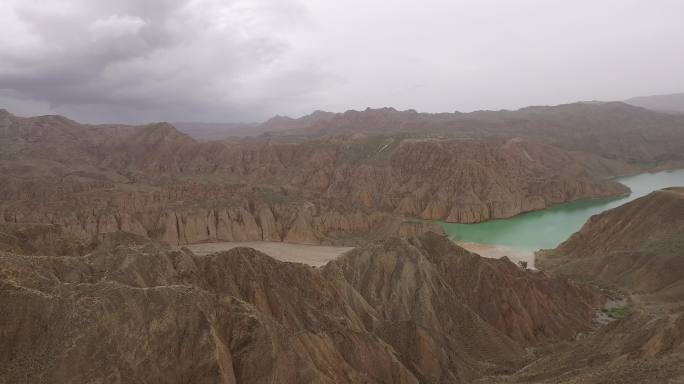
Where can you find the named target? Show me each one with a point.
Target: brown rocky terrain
(44, 239)
(638, 249)
(613, 130)
(140, 312)
(417, 309)
(529, 307)
(344, 189)
(643, 347)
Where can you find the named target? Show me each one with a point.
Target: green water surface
(548, 228)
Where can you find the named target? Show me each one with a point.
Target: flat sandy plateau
(315, 255)
(497, 251)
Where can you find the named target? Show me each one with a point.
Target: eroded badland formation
(95, 288)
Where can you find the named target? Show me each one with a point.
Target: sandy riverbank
(497, 251)
(315, 255)
(318, 255)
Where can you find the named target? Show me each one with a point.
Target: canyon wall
(155, 181)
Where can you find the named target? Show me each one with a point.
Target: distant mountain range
(673, 103)
(385, 120)
(219, 131)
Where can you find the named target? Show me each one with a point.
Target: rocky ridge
(131, 310)
(612, 130)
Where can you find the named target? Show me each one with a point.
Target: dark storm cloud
(154, 59)
(129, 60)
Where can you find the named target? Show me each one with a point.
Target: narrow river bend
(548, 228)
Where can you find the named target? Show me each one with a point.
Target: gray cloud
(169, 60)
(212, 60)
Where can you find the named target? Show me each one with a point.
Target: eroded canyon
(97, 286)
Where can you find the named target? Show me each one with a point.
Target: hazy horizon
(246, 61)
(256, 122)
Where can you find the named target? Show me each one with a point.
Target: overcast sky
(242, 60)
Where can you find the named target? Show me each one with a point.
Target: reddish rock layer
(154, 181)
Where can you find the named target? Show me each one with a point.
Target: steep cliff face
(158, 213)
(133, 311)
(154, 181)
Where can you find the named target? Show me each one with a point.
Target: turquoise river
(549, 227)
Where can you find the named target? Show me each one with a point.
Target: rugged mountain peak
(527, 306)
